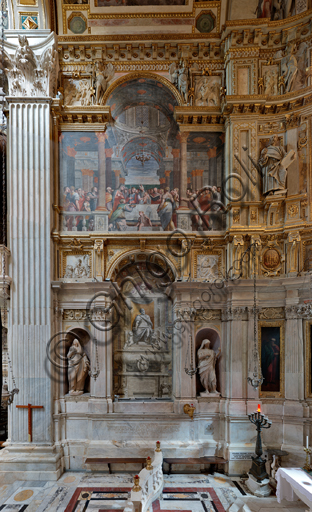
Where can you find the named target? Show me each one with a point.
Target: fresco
(128, 178)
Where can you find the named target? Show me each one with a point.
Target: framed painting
(271, 351)
(308, 362)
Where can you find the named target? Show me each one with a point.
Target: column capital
(183, 136)
(109, 152)
(101, 136)
(31, 73)
(175, 152)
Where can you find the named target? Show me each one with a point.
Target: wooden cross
(29, 407)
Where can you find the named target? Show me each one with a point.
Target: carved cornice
(233, 313)
(299, 311)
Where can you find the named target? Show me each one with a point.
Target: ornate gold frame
(281, 325)
(308, 352)
(77, 252)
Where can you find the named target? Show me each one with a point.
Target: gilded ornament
(271, 259)
(293, 210)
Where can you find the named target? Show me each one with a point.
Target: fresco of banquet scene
(132, 171)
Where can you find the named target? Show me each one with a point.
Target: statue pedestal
(209, 395)
(260, 489)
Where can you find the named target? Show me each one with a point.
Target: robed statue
(207, 359)
(274, 162)
(78, 368)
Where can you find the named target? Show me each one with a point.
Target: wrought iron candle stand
(257, 469)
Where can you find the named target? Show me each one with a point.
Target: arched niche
(215, 343)
(142, 336)
(85, 341)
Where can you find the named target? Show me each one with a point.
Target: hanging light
(192, 369)
(143, 157)
(7, 396)
(257, 377)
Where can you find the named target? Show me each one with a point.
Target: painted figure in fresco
(271, 361)
(274, 161)
(165, 211)
(109, 198)
(155, 196)
(94, 197)
(207, 359)
(143, 221)
(118, 195)
(78, 368)
(117, 218)
(142, 328)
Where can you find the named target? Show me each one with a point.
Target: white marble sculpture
(102, 75)
(274, 162)
(207, 91)
(77, 267)
(78, 368)
(207, 359)
(30, 73)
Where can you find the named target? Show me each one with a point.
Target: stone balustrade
(148, 484)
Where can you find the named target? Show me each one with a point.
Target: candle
(307, 441)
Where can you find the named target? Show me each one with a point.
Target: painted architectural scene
(131, 177)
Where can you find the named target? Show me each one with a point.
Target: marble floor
(81, 492)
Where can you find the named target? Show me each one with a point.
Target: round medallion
(205, 23)
(271, 258)
(23, 495)
(77, 25)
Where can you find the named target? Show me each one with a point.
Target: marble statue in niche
(207, 267)
(207, 359)
(274, 162)
(78, 368)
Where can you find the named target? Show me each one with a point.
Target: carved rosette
(298, 311)
(31, 73)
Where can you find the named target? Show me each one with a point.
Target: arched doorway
(215, 343)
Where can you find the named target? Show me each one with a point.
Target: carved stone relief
(207, 91)
(77, 266)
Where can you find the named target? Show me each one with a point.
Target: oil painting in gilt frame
(271, 339)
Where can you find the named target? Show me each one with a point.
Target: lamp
(7, 396)
(141, 157)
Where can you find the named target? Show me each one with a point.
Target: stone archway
(214, 336)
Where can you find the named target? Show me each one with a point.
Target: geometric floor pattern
(87, 492)
(187, 499)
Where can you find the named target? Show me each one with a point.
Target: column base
(31, 462)
(260, 489)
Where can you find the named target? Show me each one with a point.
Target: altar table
(292, 484)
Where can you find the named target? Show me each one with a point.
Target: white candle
(307, 441)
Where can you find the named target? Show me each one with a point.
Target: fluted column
(30, 199)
